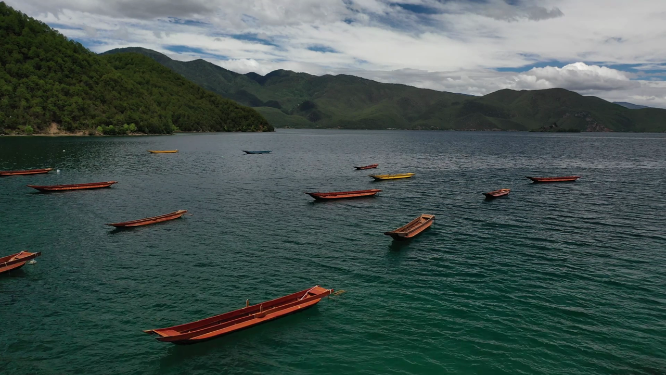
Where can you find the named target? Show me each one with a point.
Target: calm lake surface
(554, 279)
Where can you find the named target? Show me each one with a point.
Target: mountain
(631, 105)
(48, 82)
(302, 100)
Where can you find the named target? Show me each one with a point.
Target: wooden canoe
(554, 179)
(149, 220)
(92, 185)
(256, 152)
(162, 151)
(497, 193)
(344, 194)
(371, 166)
(26, 172)
(16, 261)
(246, 317)
(411, 229)
(379, 177)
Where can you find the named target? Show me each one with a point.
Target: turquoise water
(554, 279)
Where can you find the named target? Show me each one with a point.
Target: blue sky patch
(193, 50)
(183, 21)
(322, 48)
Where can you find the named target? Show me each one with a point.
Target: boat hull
(344, 194)
(220, 325)
(371, 166)
(413, 228)
(150, 220)
(16, 261)
(553, 179)
(26, 172)
(55, 188)
(497, 193)
(244, 326)
(163, 151)
(256, 152)
(382, 177)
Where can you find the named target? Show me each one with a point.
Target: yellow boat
(163, 151)
(379, 177)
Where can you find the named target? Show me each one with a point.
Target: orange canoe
(371, 166)
(247, 317)
(554, 179)
(92, 185)
(16, 261)
(26, 172)
(497, 193)
(344, 194)
(149, 220)
(413, 228)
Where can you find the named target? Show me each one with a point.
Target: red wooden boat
(16, 261)
(246, 317)
(371, 166)
(149, 220)
(411, 229)
(497, 193)
(26, 172)
(344, 194)
(92, 185)
(554, 179)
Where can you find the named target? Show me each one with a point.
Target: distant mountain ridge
(290, 99)
(631, 105)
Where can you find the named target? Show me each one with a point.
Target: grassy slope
(353, 102)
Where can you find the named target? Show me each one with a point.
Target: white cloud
(453, 45)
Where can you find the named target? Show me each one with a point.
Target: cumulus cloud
(452, 45)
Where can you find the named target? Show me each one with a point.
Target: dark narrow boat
(246, 317)
(92, 185)
(413, 228)
(344, 194)
(16, 261)
(497, 193)
(371, 166)
(26, 172)
(149, 220)
(256, 152)
(554, 179)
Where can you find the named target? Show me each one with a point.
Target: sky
(613, 49)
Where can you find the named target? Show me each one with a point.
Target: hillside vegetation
(46, 79)
(292, 99)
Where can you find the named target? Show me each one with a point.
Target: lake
(563, 278)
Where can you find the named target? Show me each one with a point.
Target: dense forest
(302, 100)
(46, 79)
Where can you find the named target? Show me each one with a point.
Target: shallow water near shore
(563, 278)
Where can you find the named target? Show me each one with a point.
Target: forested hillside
(47, 80)
(293, 99)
